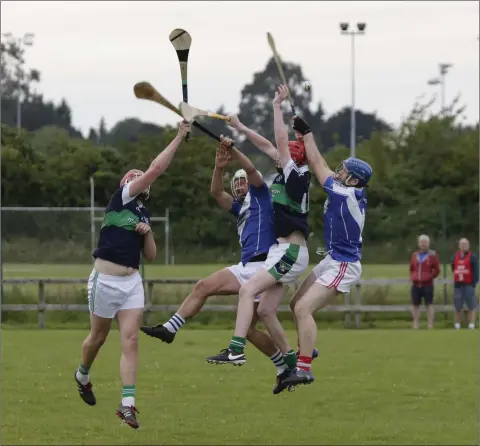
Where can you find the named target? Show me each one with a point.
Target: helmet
(297, 152)
(238, 174)
(358, 169)
(130, 176)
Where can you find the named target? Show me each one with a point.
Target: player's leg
(416, 295)
(223, 282)
(458, 305)
(101, 303)
(129, 318)
(428, 296)
(471, 301)
(337, 277)
(264, 343)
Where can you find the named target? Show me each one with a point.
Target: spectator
(424, 268)
(465, 278)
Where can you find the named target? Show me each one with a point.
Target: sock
(304, 363)
(175, 323)
(290, 359)
(237, 344)
(277, 359)
(128, 396)
(457, 325)
(82, 374)
(471, 325)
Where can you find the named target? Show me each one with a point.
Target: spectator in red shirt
(424, 268)
(465, 278)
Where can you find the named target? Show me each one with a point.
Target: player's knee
(300, 310)
(265, 312)
(203, 288)
(246, 292)
(130, 341)
(97, 338)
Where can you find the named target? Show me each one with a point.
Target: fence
(62, 228)
(350, 309)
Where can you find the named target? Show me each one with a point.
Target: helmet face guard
(132, 175)
(238, 175)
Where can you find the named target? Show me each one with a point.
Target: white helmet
(238, 174)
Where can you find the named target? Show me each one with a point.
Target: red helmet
(297, 152)
(130, 176)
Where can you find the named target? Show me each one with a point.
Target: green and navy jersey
(255, 224)
(118, 241)
(290, 195)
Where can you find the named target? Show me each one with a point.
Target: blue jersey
(344, 218)
(119, 242)
(255, 224)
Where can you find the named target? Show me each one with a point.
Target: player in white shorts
(288, 258)
(115, 289)
(250, 201)
(344, 217)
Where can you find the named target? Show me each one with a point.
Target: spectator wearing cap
(424, 268)
(465, 278)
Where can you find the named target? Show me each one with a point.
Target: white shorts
(109, 294)
(286, 262)
(340, 275)
(244, 273)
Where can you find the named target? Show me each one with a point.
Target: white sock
(84, 379)
(128, 401)
(471, 326)
(278, 362)
(457, 326)
(175, 323)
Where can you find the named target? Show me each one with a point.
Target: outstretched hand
(223, 157)
(280, 95)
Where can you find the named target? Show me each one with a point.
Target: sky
(92, 53)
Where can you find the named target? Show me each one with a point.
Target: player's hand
(280, 95)
(222, 157)
(183, 129)
(300, 126)
(142, 228)
(234, 121)
(226, 142)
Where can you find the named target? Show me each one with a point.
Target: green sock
(237, 344)
(84, 369)
(290, 359)
(128, 392)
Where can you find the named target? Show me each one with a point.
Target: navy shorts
(464, 295)
(422, 292)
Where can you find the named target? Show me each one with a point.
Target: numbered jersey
(344, 218)
(290, 195)
(118, 241)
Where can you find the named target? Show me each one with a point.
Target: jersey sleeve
(297, 181)
(259, 191)
(235, 208)
(126, 198)
(335, 189)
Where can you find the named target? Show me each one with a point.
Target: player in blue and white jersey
(344, 218)
(251, 203)
(115, 288)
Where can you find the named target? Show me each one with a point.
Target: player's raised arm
(224, 199)
(315, 160)
(254, 177)
(281, 133)
(159, 164)
(261, 143)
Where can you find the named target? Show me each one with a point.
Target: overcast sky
(92, 53)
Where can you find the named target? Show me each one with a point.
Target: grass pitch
(372, 387)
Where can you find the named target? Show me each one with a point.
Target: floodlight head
(28, 39)
(344, 26)
(361, 26)
(434, 81)
(9, 37)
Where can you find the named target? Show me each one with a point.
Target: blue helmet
(358, 169)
